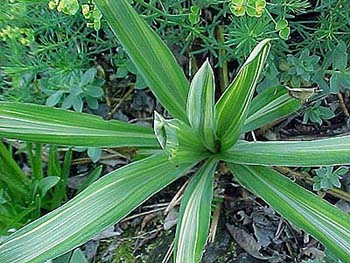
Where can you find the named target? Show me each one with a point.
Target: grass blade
(100, 205)
(60, 191)
(304, 209)
(92, 177)
(150, 55)
(325, 152)
(35, 160)
(232, 108)
(194, 217)
(56, 126)
(9, 165)
(200, 105)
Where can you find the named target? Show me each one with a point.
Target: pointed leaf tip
(200, 105)
(232, 108)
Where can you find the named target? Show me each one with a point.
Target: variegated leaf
(270, 106)
(200, 105)
(232, 108)
(332, 151)
(44, 124)
(175, 137)
(194, 217)
(150, 55)
(302, 208)
(100, 205)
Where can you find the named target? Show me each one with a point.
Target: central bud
(176, 137)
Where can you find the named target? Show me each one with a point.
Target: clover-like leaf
(255, 8)
(281, 24)
(326, 178)
(284, 33)
(69, 7)
(237, 7)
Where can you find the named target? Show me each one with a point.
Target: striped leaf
(100, 205)
(270, 106)
(300, 207)
(149, 54)
(194, 217)
(200, 105)
(232, 108)
(333, 151)
(56, 126)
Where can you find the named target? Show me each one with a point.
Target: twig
(342, 104)
(155, 205)
(142, 214)
(157, 229)
(110, 114)
(168, 253)
(176, 198)
(141, 119)
(87, 160)
(253, 135)
(214, 224)
(334, 192)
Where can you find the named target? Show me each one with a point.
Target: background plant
(326, 178)
(25, 197)
(317, 114)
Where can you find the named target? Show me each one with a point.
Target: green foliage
(254, 8)
(126, 68)
(337, 60)
(124, 253)
(245, 32)
(25, 196)
(317, 114)
(46, 56)
(194, 16)
(297, 70)
(69, 7)
(93, 153)
(283, 29)
(200, 132)
(331, 27)
(74, 91)
(326, 178)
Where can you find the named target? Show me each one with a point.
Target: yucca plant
(202, 132)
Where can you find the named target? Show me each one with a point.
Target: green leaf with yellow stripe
(102, 204)
(194, 217)
(44, 124)
(150, 55)
(232, 108)
(270, 106)
(200, 105)
(323, 152)
(299, 206)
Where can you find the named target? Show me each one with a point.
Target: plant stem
(223, 71)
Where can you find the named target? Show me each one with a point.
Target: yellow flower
(52, 5)
(85, 10)
(259, 10)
